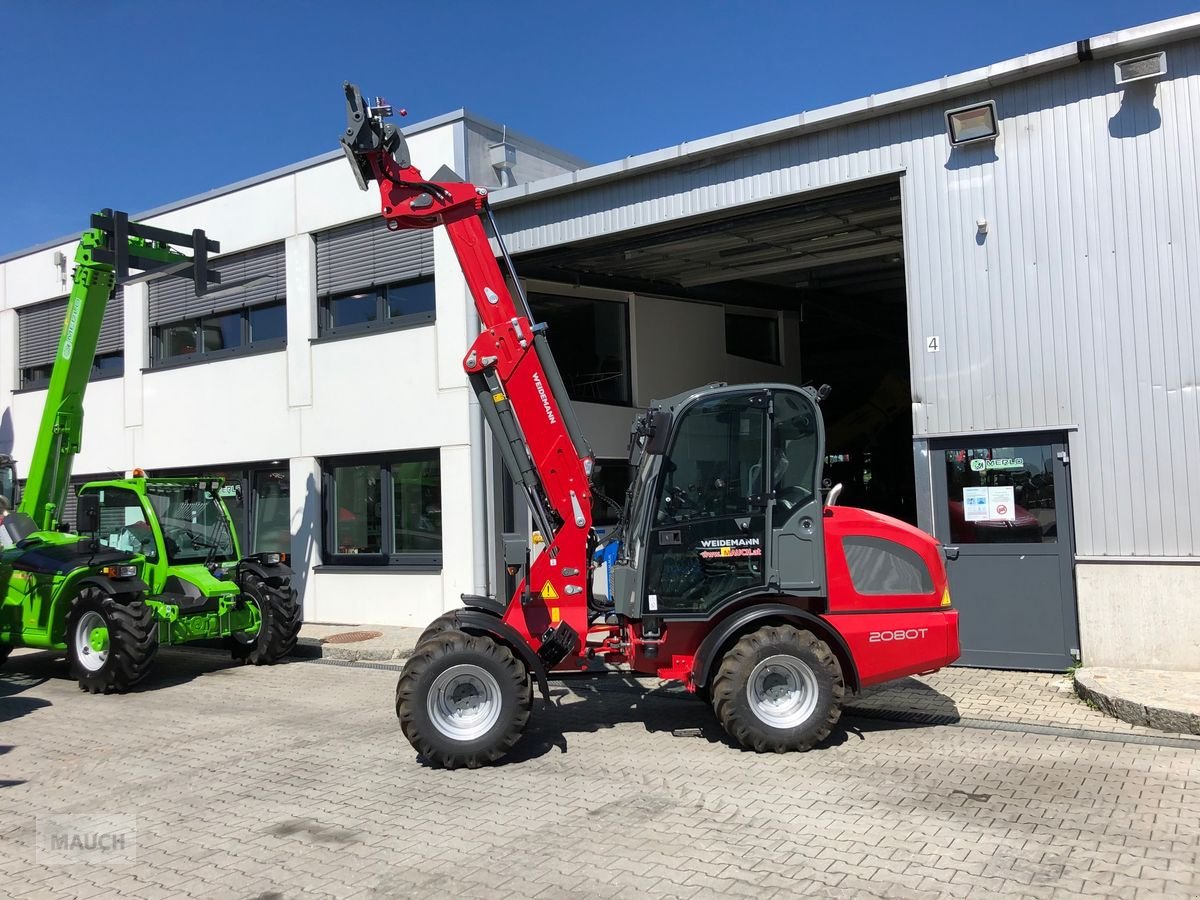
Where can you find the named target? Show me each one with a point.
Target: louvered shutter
(40, 327)
(112, 326)
(365, 254)
(247, 279)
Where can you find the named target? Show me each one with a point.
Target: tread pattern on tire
(729, 686)
(132, 641)
(281, 619)
(410, 699)
(443, 623)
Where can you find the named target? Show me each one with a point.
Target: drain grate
(351, 637)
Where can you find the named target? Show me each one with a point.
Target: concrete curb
(1126, 696)
(313, 648)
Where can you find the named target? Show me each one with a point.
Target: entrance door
(1005, 504)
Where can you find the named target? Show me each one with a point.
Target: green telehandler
(155, 561)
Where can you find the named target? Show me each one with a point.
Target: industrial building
(997, 272)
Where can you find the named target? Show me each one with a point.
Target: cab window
(123, 524)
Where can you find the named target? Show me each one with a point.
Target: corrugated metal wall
(1080, 307)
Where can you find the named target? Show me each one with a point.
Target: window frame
(387, 558)
(534, 290)
(41, 384)
(247, 347)
(382, 321)
(776, 358)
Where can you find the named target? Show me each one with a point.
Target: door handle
(950, 552)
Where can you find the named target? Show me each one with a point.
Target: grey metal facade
(1077, 309)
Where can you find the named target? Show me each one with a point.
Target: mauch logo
(102, 840)
(68, 344)
(714, 548)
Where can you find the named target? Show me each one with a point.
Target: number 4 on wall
(933, 344)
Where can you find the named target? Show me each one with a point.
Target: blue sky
(135, 104)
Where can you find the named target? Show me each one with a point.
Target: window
(272, 511)
(262, 327)
(123, 524)
(257, 497)
(879, 566)
(611, 479)
(753, 337)
(384, 510)
(590, 340)
(39, 328)
(1001, 494)
(397, 305)
(193, 522)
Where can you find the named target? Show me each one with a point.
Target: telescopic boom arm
(107, 251)
(510, 368)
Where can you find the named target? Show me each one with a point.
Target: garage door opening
(812, 290)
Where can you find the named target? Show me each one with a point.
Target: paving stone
(294, 781)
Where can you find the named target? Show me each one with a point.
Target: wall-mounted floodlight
(1152, 65)
(976, 122)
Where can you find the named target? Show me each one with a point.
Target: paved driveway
(294, 781)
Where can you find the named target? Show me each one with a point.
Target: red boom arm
(530, 412)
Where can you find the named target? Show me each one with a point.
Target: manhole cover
(351, 637)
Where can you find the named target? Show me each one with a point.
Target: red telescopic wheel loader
(729, 571)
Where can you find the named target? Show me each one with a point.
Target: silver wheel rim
(92, 660)
(783, 691)
(464, 702)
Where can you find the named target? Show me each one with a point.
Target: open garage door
(813, 290)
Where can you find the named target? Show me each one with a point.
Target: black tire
(5, 649)
(132, 641)
(500, 679)
(800, 690)
(445, 622)
(281, 616)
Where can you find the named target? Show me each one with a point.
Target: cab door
(708, 520)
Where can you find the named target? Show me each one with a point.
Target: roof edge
(921, 94)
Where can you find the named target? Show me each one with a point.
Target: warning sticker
(548, 592)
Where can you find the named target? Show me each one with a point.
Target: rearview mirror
(660, 431)
(87, 513)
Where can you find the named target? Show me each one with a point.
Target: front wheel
(279, 623)
(463, 700)
(5, 649)
(778, 689)
(111, 645)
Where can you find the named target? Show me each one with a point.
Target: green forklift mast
(107, 251)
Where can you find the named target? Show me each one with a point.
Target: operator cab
(725, 503)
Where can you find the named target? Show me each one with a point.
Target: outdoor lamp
(968, 124)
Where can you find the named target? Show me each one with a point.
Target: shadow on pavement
(906, 699)
(586, 705)
(172, 666)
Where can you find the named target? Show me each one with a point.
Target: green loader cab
(155, 561)
(199, 586)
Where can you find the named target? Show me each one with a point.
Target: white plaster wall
(383, 392)
(105, 446)
(1139, 616)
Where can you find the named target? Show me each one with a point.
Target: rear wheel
(111, 645)
(5, 649)
(279, 616)
(463, 700)
(778, 689)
